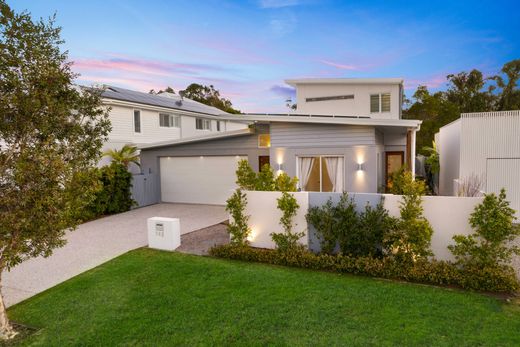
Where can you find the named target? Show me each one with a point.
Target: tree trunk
(6, 330)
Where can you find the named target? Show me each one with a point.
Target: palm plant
(127, 155)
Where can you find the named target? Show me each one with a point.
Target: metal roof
(167, 100)
(294, 82)
(225, 134)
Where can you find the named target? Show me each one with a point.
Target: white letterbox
(164, 233)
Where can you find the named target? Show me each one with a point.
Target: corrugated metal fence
(145, 189)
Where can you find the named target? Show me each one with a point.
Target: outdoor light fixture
(361, 167)
(280, 167)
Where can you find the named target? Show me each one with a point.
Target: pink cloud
(432, 82)
(339, 66)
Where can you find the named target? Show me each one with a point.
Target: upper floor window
(264, 141)
(202, 124)
(137, 121)
(169, 120)
(380, 103)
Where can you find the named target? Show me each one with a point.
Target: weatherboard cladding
(173, 101)
(320, 135)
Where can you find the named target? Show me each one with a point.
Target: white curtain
(305, 171)
(335, 169)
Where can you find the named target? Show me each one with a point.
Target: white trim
(320, 119)
(213, 136)
(295, 82)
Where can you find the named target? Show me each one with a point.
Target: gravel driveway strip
(98, 241)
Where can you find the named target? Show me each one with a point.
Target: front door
(394, 161)
(262, 160)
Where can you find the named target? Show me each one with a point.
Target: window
(264, 141)
(202, 124)
(321, 174)
(169, 120)
(385, 102)
(137, 121)
(218, 125)
(380, 103)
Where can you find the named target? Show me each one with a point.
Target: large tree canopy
(208, 95)
(51, 135)
(467, 92)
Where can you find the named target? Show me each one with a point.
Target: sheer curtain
(305, 171)
(335, 169)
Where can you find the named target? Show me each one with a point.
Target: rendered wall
(448, 216)
(359, 106)
(265, 216)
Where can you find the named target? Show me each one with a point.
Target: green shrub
(285, 183)
(412, 234)
(265, 180)
(246, 177)
(346, 223)
(323, 219)
(374, 224)
(359, 234)
(238, 228)
(420, 271)
(114, 195)
(489, 248)
(287, 240)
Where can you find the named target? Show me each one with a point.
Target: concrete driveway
(98, 241)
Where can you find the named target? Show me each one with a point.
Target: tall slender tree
(51, 134)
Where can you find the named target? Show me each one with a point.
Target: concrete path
(98, 241)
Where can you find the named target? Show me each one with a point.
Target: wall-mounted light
(280, 167)
(361, 167)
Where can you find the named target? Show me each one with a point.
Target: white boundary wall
(265, 217)
(447, 215)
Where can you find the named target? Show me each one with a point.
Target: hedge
(423, 271)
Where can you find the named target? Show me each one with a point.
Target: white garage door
(505, 173)
(198, 180)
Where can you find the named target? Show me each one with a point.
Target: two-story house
(346, 135)
(141, 118)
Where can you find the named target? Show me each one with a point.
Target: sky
(246, 49)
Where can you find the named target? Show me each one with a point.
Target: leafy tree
(166, 90)
(489, 246)
(125, 156)
(238, 228)
(246, 177)
(467, 92)
(288, 239)
(52, 134)
(509, 98)
(208, 95)
(410, 240)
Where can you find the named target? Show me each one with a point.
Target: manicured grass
(154, 298)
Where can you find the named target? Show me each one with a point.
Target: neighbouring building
(141, 118)
(346, 135)
(481, 149)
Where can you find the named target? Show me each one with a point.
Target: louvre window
(385, 102)
(380, 103)
(374, 103)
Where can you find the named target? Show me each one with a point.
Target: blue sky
(248, 48)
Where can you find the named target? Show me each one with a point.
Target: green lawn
(157, 298)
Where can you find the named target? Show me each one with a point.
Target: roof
(294, 82)
(325, 119)
(227, 134)
(167, 100)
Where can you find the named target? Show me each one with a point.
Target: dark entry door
(262, 160)
(394, 161)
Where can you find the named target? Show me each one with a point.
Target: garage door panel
(198, 180)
